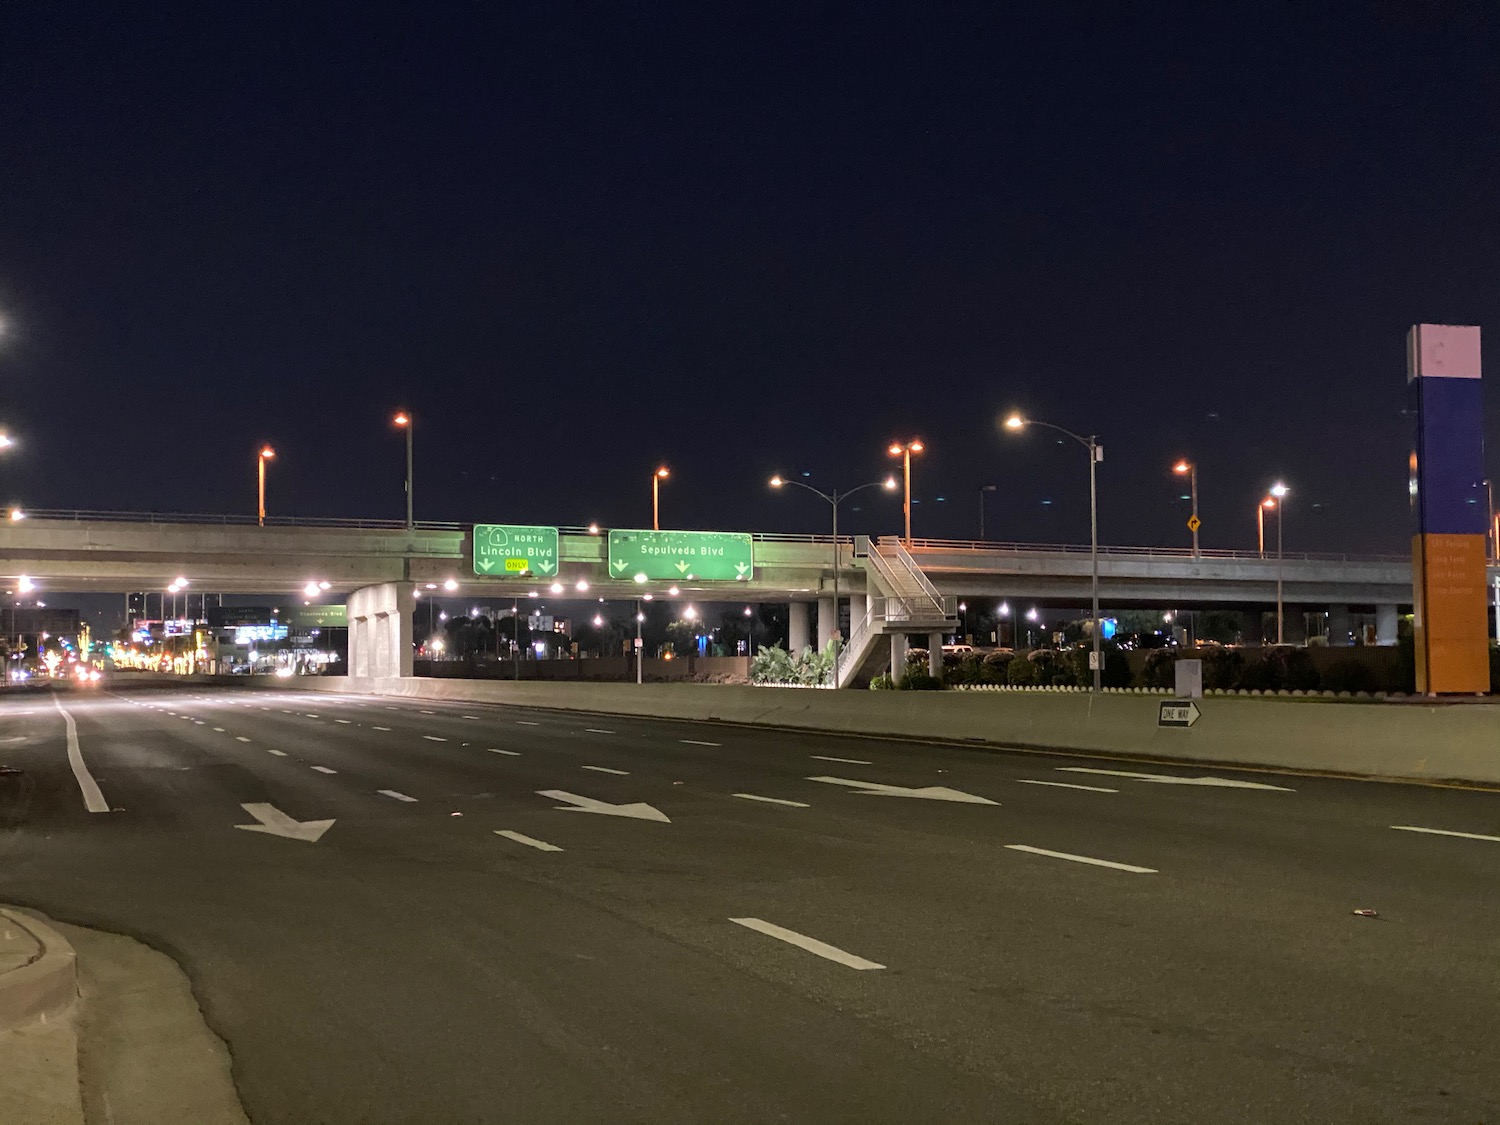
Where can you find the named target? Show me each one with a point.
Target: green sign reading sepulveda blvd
(501, 549)
(714, 556)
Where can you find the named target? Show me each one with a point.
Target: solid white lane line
(846, 761)
(278, 753)
(1175, 779)
(434, 738)
(1445, 832)
(1065, 785)
(241, 738)
(773, 800)
(346, 722)
(324, 769)
(510, 753)
(802, 941)
(382, 728)
(396, 796)
(93, 799)
(527, 723)
(695, 742)
(606, 769)
(597, 730)
(1132, 868)
(529, 841)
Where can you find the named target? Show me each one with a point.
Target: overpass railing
(976, 546)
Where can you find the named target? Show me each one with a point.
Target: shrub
(881, 682)
(963, 670)
(1021, 672)
(993, 666)
(1292, 669)
(1221, 668)
(1350, 675)
(1052, 669)
(1256, 675)
(1159, 671)
(774, 665)
(921, 680)
(1116, 666)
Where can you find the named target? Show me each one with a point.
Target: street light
(904, 450)
(266, 453)
(405, 421)
(6, 441)
(982, 490)
(661, 474)
(1189, 469)
(1278, 495)
(835, 498)
(1096, 454)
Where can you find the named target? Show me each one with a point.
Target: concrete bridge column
(797, 627)
(1338, 626)
(898, 657)
(858, 606)
(1385, 624)
(380, 630)
(828, 615)
(935, 655)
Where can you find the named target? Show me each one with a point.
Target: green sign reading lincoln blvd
(503, 549)
(714, 556)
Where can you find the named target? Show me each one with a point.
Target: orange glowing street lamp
(904, 450)
(661, 474)
(1189, 469)
(265, 454)
(403, 420)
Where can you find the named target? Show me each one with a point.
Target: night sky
(578, 240)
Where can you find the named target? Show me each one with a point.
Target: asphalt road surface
(452, 913)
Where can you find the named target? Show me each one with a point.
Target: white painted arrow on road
(638, 811)
(927, 793)
(274, 822)
(1170, 779)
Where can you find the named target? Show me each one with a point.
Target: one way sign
(1177, 713)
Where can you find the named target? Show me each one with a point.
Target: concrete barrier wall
(1448, 742)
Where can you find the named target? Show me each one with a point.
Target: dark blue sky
(739, 238)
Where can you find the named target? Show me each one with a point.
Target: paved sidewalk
(118, 1041)
(38, 1039)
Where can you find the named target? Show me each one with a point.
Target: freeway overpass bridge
(379, 565)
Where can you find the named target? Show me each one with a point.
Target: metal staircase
(906, 602)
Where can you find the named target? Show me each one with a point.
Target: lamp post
(904, 450)
(1190, 470)
(266, 453)
(1002, 615)
(1278, 492)
(661, 474)
(405, 421)
(1096, 454)
(982, 490)
(1266, 505)
(834, 498)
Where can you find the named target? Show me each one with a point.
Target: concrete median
(1427, 741)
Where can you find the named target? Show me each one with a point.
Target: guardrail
(979, 546)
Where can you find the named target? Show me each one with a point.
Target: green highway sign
(502, 550)
(714, 556)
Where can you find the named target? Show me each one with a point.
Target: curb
(42, 988)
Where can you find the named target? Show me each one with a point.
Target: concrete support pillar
(1385, 624)
(1338, 626)
(828, 616)
(859, 605)
(935, 655)
(898, 657)
(797, 627)
(380, 630)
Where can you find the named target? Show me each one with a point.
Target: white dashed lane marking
(606, 769)
(773, 800)
(324, 769)
(1066, 785)
(393, 794)
(434, 738)
(529, 841)
(696, 742)
(509, 753)
(802, 941)
(1130, 867)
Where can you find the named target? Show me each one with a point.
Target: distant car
(958, 650)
